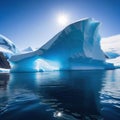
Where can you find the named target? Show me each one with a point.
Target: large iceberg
(76, 47)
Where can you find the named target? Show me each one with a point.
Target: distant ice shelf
(111, 48)
(77, 47)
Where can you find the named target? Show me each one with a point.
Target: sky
(34, 22)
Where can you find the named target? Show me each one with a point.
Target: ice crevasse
(76, 47)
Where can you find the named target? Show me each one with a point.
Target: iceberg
(26, 50)
(76, 47)
(7, 47)
(7, 44)
(111, 48)
(3, 70)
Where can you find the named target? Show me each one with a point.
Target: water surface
(63, 95)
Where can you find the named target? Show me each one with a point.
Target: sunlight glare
(62, 20)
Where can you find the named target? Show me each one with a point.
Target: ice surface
(7, 47)
(76, 47)
(115, 61)
(7, 53)
(3, 70)
(81, 38)
(5, 50)
(7, 44)
(111, 47)
(26, 50)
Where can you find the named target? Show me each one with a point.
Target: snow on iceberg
(7, 44)
(7, 47)
(111, 48)
(26, 50)
(76, 47)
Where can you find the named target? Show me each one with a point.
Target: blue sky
(34, 22)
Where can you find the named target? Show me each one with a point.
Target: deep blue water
(64, 95)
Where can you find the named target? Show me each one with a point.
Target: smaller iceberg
(7, 49)
(26, 50)
(7, 44)
(111, 48)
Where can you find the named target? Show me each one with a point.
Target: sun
(62, 20)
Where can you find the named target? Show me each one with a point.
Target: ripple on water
(69, 96)
(110, 97)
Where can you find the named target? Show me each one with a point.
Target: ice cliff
(76, 47)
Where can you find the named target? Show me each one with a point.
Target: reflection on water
(67, 95)
(110, 95)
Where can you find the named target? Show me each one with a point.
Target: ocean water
(60, 95)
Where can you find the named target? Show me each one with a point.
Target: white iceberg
(3, 70)
(26, 50)
(111, 47)
(7, 47)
